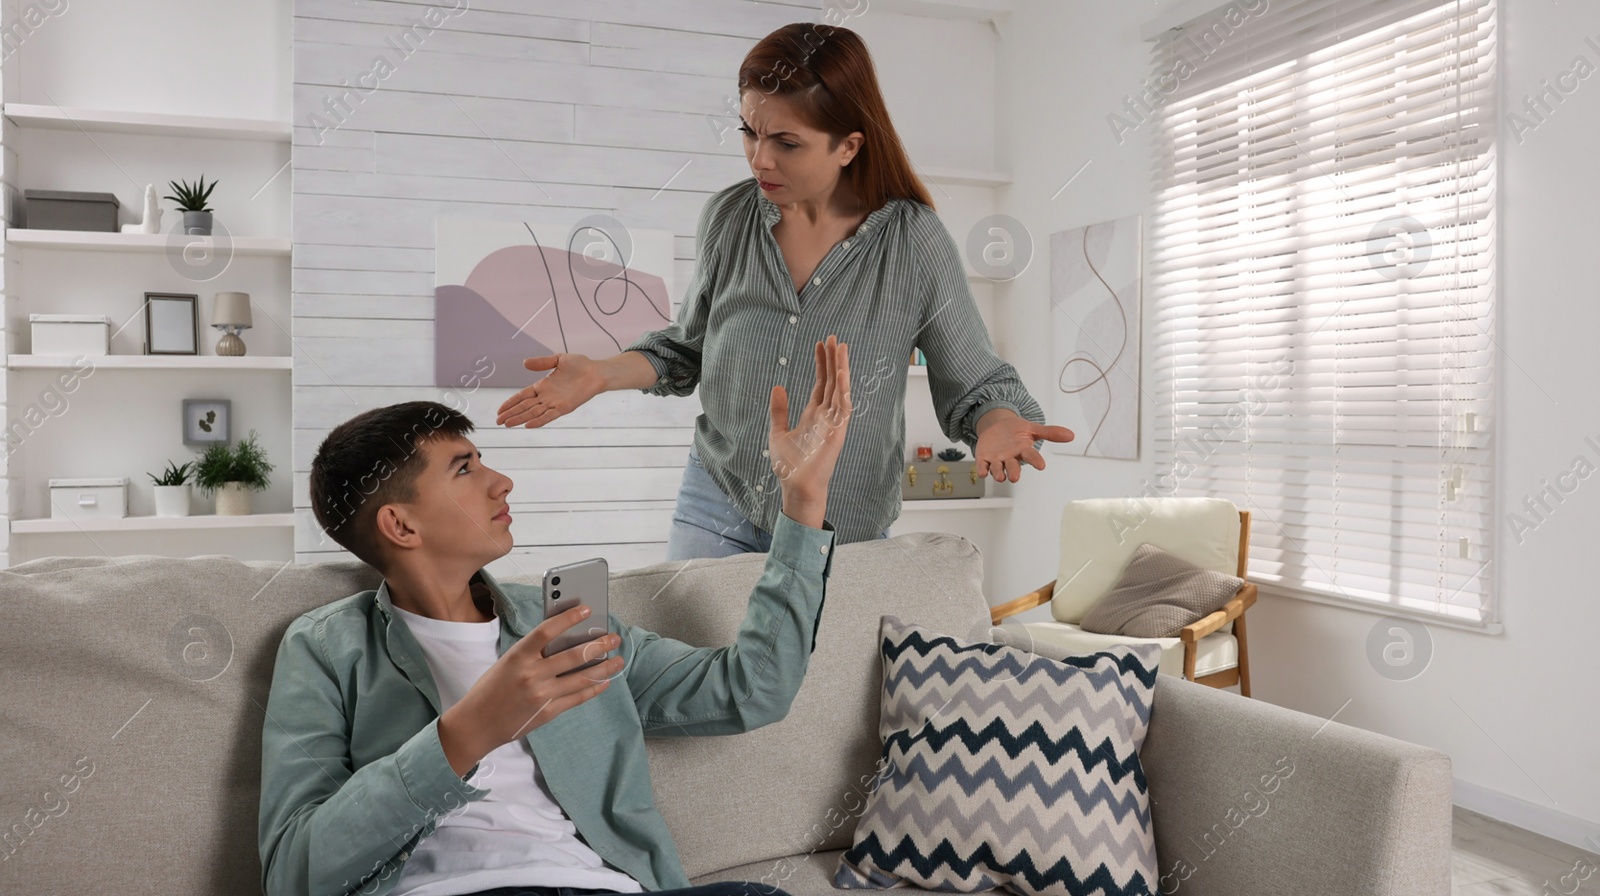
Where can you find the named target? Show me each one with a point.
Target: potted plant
(192, 202)
(172, 490)
(233, 474)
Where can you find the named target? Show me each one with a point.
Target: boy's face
(460, 514)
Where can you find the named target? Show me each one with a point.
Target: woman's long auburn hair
(826, 73)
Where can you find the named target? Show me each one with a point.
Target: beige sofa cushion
(154, 673)
(1099, 535)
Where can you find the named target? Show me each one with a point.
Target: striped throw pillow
(1005, 769)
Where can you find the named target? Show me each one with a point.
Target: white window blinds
(1322, 280)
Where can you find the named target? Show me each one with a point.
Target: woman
(834, 235)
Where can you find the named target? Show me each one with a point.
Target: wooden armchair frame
(1232, 611)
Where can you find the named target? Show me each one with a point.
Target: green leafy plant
(220, 465)
(174, 475)
(191, 199)
(952, 454)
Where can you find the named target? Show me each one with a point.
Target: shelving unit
(993, 503)
(960, 10)
(155, 523)
(85, 241)
(151, 123)
(153, 362)
(968, 204)
(967, 177)
(49, 286)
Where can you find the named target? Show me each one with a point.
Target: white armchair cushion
(1215, 652)
(1099, 536)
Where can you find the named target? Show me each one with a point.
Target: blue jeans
(721, 888)
(707, 524)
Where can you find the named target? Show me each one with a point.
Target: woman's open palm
(573, 380)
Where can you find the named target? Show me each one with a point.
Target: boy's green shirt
(353, 775)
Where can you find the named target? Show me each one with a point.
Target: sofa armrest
(1251, 798)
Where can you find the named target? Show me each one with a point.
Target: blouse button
(816, 281)
(793, 319)
(783, 360)
(847, 244)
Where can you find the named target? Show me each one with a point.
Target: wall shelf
(917, 370)
(150, 123)
(95, 241)
(154, 362)
(967, 177)
(156, 523)
(995, 503)
(958, 10)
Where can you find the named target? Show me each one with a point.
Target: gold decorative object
(941, 480)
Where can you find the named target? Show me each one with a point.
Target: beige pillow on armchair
(1158, 595)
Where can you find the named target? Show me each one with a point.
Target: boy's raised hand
(804, 457)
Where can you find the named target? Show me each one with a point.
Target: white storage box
(88, 499)
(71, 334)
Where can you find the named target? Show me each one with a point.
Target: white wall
(1516, 712)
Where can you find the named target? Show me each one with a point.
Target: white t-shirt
(517, 835)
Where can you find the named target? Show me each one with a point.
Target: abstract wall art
(506, 291)
(1095, 286)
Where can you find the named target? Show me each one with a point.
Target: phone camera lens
(556, 594)
(555, 580)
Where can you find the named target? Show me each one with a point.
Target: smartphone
(586, 582)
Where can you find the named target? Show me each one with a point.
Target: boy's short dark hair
(371, 460)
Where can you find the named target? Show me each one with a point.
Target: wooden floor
(1490, 857)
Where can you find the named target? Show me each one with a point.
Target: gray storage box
(63, 210)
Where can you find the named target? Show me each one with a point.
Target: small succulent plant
(191, 198)
(952, 454)
(174, 475)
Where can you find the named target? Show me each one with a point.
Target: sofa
(134, 692)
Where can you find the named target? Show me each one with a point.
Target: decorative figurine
(152, 214)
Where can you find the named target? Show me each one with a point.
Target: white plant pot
(233, 499)
(172, 500)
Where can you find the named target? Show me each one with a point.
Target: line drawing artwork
(1095, 296)
(510, 290)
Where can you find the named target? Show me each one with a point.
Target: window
(1322, 286)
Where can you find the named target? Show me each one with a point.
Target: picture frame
(207, 421)
(171, 323)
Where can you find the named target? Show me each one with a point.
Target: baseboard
(1569, 829)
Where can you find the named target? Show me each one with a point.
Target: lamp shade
(231, 309)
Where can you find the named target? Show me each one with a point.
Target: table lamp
(231, 314)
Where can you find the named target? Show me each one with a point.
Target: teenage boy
(418, 741)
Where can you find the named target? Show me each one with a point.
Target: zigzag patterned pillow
(1005, 769)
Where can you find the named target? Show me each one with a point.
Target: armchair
(1098, 537)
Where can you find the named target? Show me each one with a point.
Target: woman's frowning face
(792, 160)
